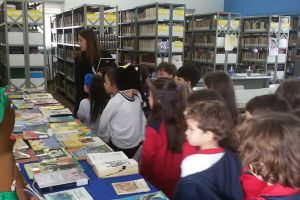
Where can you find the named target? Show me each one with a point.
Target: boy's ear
(189, 83)
(210, 135)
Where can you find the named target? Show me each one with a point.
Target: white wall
(201, 6)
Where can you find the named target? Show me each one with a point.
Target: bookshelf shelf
(152, 33)
(264, 44)
(22, 38)
(64, 46)
(293, 46)
(211, 41)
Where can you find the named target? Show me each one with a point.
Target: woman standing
(87, 59)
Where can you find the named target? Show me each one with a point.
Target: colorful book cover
(81, 154)
(47, 143)
(64, 177)
(21, 104)
(61, 119)
(131, 187)
(20, 145)
(44, 101)
(37, 96)
(149, 196)
(73, 194)
(51, 154)
(82, 142)
(68, 135)
(31, 135)
(64, 127)
(45, 167)
(29, 152)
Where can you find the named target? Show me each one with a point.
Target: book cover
(51, 154)
(61, 119)
(59, 113)
(72, 194)
(47, 143)
(149, 196)
(64, 127)
(20, 145)
(37, 96)
(46, 167)
(44, 101)
(74, 176)
(22, 159)
(21, 104)
(81, 154)
(68, 135)
(131, 187)
(31, 135)
(93, 158)
(76, 143)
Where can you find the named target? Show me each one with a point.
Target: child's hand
(6, 128)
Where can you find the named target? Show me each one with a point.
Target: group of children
(194, 144)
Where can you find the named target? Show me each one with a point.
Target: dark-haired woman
(85, 62)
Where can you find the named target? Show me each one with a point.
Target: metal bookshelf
(22, 46)
(151, 34)
(293, 45)
(264, 44)
(64, 33)
(211, 41)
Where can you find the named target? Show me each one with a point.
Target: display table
(99, 189)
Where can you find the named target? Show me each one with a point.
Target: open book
(112, 164)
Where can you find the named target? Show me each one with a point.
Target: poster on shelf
(178, 30)
(285, 24)
(273, 46)
(14, 15)
(231, 42)
(163, 14)
(274, 26)
(110, 18)
(222, 23)
(178, 14)
(93, 18)
(35, 15)
(235, 24)
(163, 29)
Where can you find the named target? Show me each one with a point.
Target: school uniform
(211, 174)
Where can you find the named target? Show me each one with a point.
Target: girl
(11, 181)
(220, 81)
(269, 148)
(290, 90)
(164, 136)
(110, 83)
(91, 108)
(87, 59)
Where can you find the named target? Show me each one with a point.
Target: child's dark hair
(220, 81)
(170, 68)
(211, 116)
(266, 103)
(111, 74)
(270, 145)
(145, 73)
(189, 73)
(290, 90)
(204, 95)
(168, 108)
(98, 97)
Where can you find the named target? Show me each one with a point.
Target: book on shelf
(112, 164)
(49, 166)
(149, 196)
(69, 177)
(32, 135)
(73, 194)
(81, 153)
(37, 96)
(131, 187)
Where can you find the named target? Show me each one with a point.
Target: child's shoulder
(154, 124)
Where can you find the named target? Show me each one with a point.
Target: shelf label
(110, 18)
(163, 29)
(274, 25)
(178, 30)
(93, 17)
(178, 14)
(285, 26)
(14, 14)
(163, 14)
(222, 23)
(35, 14)
(235, 24)
(177, 46)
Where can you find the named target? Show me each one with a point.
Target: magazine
(72, 194)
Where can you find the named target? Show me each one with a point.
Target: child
(164, 136)
(91, 108)
(220, 81)
(110, 83)
(166, 70)
(269, 147)
(266, 103)
(122, 122)
(212, 173)
(11, 181)
(204, 95)
(144, 90)
(290, 90)
(187, 76)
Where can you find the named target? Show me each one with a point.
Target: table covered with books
(60, 158)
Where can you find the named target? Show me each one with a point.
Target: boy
(266, 103)
(269, 147)
(166, 70)
(212, 173)
(187, 76)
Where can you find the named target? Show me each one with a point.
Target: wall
(262, 7)
(201, 6)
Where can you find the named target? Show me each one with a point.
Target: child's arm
(148, 153)
(20, 185)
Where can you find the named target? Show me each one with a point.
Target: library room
(153, 99)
